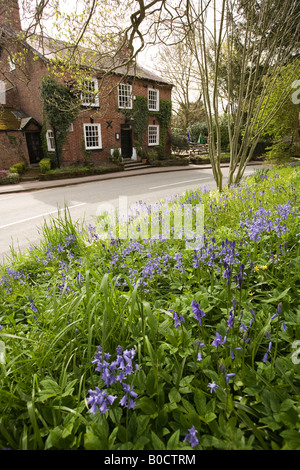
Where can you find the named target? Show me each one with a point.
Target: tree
(175, 63)
(262, 52)
(61, 108)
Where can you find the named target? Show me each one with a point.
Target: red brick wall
(13, 149)
(26, 95)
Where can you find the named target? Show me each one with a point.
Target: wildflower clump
(113, 372)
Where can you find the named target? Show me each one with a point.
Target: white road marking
(180, 182)
(40, 215)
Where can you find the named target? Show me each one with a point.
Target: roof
(14, 120)
(49, 49)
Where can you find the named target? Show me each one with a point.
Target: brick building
(106, 119)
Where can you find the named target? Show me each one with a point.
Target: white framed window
(50, 141)
(125, 95)
(92, 136)
(153, 135)
(153, 99)
(2, 92)
(12, 65)
(89, 93)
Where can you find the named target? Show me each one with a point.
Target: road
(23, 214)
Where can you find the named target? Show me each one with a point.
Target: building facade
(126, 109)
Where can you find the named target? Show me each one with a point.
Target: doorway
(34, 146)
(126, 141)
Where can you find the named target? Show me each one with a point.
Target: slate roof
(47, 49)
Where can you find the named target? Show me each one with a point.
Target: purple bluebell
(218, 341)
(213, 386)
(198, 313)
(99, 400)
(191, 437)
(228, 376)
(178, 319)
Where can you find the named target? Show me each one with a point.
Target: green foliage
(80, 288)
(61, 108)
(45, 165)
(116, 155)
(179, 142)
(140, 114)
(282, 152)
(18, 168)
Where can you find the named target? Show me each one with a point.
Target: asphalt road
(23, 214)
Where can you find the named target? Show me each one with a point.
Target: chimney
(10, 14)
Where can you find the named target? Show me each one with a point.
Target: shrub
(18, 168)
(13, 178)
(45, 165)
(179, 142)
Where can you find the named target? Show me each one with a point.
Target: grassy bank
(145, 343)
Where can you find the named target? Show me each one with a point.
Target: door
(34, 146)
(126, 142)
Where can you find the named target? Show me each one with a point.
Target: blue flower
(198, 313)
(191, 437)
(213, 386)
(218, 341)
(178, 319)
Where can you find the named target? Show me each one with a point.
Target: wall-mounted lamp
(117, 136)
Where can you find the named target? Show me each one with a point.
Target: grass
(143, 343)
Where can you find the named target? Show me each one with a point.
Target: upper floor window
(92, 136)
(89, 93)
(12, 65)
(125, 95)
(153, 99)
(50, 141)
(153, 135)
(2, 92)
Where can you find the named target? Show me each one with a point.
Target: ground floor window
(92, 136)
(50, 141)
(153, 135)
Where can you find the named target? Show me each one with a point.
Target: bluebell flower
(198, 313)
(228, 376)
(178, 319)
(218, 341)
(213, 386)
(99, 400)
(191, 437)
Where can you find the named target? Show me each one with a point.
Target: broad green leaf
(157, 442)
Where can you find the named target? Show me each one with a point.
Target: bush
(282, 152)
(13, 178)
(45, 165)
(18, 168)
(179, 142)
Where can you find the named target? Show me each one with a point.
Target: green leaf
(92, 442)
(51, 389)
(147, 405)
(172, 443)
(174, 395)
(157, 442)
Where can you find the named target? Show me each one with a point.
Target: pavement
(36, 185)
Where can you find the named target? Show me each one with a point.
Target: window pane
(153, 100)
(89, 93)
(153, 135)
(124, 95)
(92, 136)
(50, 141)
